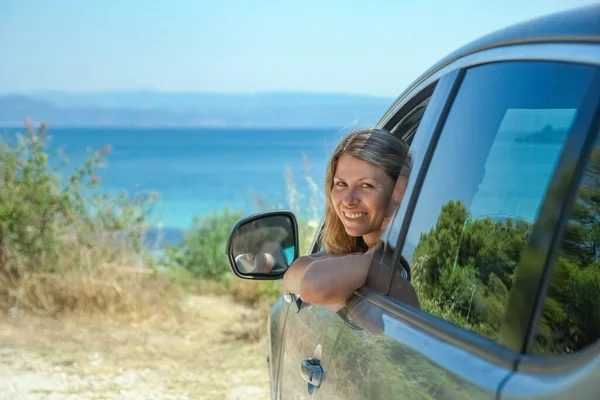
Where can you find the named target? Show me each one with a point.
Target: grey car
(498, 232)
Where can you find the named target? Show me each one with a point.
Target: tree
(463, 267)
(571, 315)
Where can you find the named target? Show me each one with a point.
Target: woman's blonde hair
(377, 147)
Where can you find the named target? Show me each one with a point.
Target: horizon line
(191, 92)
(15, 125)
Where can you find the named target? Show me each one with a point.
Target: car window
(404, 129)
(486, 181)
(570, 319)
(407, 127)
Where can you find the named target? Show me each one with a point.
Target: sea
(199, 171)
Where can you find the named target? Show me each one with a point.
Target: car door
(562, 354)
(314, 329)
(468, 231)
(419, 110)
(309, 342)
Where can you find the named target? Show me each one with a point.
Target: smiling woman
(360, 181)
(365, 181)
(360, 196)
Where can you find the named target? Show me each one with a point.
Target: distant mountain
(148, 108)
(548, 134)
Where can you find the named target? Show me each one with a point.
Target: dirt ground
(201, 356)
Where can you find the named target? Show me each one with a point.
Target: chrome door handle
(296, 301)
(293, 300)
(312, 373)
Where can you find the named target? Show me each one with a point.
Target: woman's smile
(355, 215)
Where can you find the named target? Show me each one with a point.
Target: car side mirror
(264, 245)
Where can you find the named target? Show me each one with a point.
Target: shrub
(203, 255)
(203, 252)
(61, 242)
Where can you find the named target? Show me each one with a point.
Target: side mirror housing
(262, 246)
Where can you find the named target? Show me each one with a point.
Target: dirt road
(198, 357)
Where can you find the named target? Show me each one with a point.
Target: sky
(366, 47)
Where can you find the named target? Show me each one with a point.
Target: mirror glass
(264, 245)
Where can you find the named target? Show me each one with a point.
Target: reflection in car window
(570, 319)
(484, 186)
(388, 367)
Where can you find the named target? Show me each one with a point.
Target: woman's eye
(340, 183)
(367, 185)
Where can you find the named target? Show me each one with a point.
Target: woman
(364, 183)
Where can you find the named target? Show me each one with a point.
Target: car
(498, 232)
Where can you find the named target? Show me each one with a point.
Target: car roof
(578, 25)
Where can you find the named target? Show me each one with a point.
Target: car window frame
(499, 353)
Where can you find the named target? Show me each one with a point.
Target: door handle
(312, 373)
(296, 301)
(293, 300)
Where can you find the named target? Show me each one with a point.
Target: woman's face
(361, 194)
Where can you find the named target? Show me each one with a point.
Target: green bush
(203, 252)
(33, 208)
(52, 225)
(203, 257)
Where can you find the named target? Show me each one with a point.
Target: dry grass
(253, 291)
(260, 295)
(108, 277)
(131, 292)
(132, 332)
(97, 357)
(87, 287)
(76, 288)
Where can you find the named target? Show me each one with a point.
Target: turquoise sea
(197, 171)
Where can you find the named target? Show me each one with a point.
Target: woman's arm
(293, 275)
(330, 280)
(333, 280)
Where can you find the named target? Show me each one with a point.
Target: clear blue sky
(370, 47)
